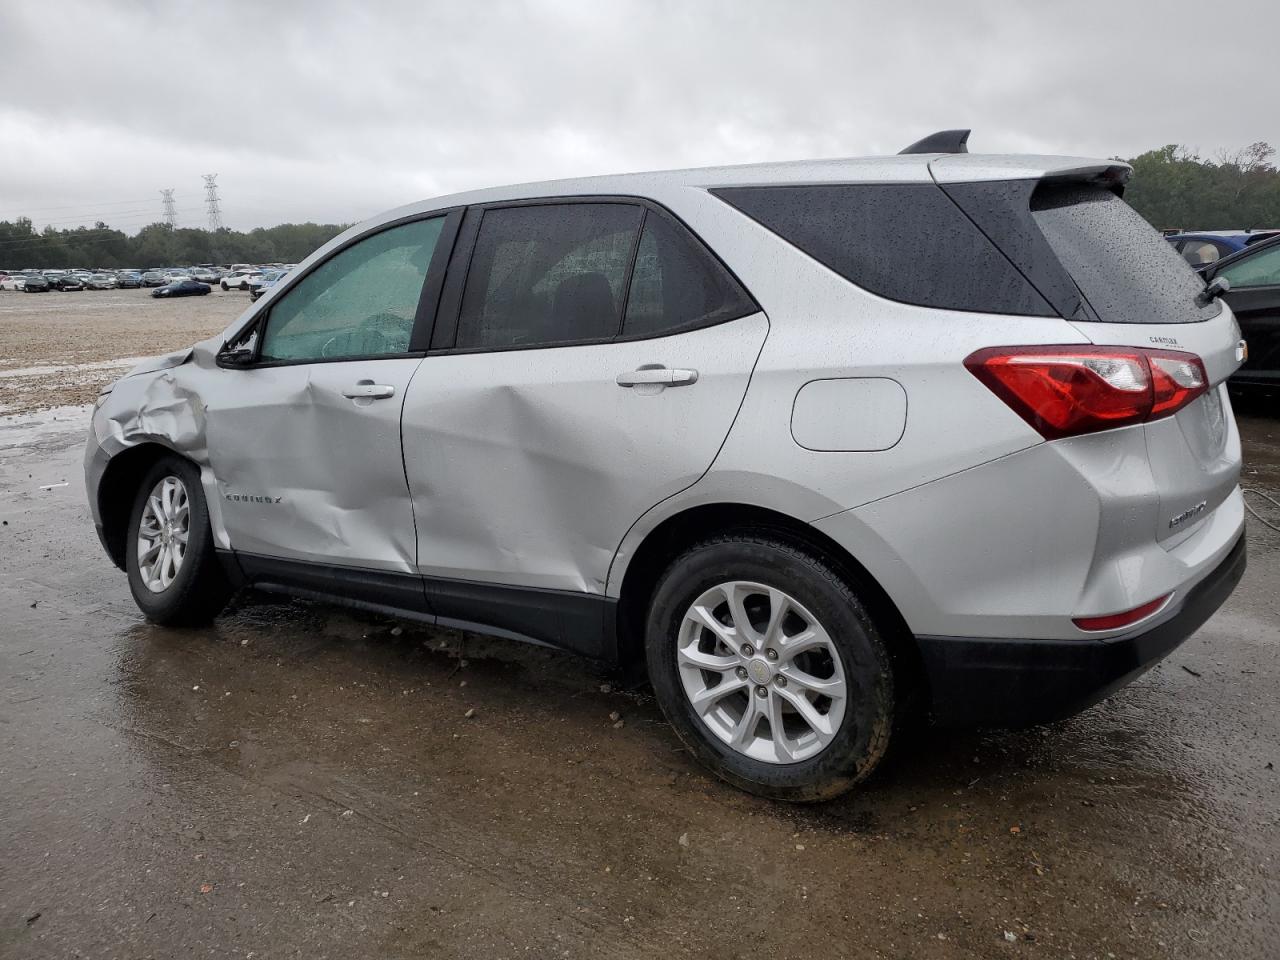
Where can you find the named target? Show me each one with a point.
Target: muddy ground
(299, 781)
(62, 348)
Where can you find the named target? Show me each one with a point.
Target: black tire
(225, 288)
(200, 589)
(863, 736)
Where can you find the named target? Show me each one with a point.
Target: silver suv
(815, 442)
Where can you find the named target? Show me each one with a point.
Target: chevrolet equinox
(814, 442)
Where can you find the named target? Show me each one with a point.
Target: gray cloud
(323, 111)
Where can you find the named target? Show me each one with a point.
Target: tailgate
(1195, 454)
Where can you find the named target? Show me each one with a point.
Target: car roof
(1225, 235)
(919, 168)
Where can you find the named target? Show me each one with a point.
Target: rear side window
(1126, 271)
(547, 274)
(677, 284)
(906, 242)
(1199, 252)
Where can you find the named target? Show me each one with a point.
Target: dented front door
(307, 461)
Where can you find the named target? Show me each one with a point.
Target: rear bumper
(1016, 683)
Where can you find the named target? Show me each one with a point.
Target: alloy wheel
(761, 672)
(163, 533)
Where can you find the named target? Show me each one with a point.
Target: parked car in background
(1254, 297)
(205, 275)
(181, 288)
(8, 281)
(35, 283)
(262, 283)
(101, 281)
(68, 282)
(239, 279)
(663, 419)
(1208, 246)
(154, 278)
(128, 281)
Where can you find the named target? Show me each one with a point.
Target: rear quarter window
(905, 242)
(1124, 269)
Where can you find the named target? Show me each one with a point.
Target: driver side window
(359, 303)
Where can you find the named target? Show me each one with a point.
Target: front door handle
(368, 390)
(657, 375)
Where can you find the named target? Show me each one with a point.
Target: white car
(239, 279)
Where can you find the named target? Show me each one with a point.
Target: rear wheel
(174, 572)
(769, 669)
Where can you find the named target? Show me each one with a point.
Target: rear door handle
(658, 375)
(368, 390)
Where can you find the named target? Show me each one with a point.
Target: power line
(117, 216)
(78, 206)
(211, 198)
(170, 214)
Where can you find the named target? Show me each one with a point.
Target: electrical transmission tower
(170, 211)
(211, 199)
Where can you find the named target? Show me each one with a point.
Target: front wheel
(767, 665)
(174, 572)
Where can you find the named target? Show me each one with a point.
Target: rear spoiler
(975, 168)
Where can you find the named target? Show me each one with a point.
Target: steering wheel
(371, 336)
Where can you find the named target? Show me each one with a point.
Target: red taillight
(1067, 390)
(1114, 621)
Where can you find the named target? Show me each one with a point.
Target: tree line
(156, 245)
(1176, 188)
(1173, 187)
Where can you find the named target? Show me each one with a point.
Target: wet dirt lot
(62, 348)
(302, 781)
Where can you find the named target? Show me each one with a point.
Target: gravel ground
(58, 349)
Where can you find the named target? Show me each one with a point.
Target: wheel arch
(118, 488)
(682, 530)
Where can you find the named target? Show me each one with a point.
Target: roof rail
(944, 141)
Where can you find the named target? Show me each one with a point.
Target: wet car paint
(301, 780)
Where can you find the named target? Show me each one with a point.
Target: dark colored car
(68, 282)
(1254, 275)
(1202, 249)
(183, 288)
(128, 281)
(154, 278)
(36, 283)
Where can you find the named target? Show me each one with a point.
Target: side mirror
(236, 359)
(1213, 290)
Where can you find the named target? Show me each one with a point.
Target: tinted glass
(907, 242)
(550, 273)
(1126, 271)
(1260, 270)
(359, 303)
(677, 284)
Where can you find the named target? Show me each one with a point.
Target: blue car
(1210, 246)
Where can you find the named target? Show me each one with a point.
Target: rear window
(1126, 271)
(906, 242)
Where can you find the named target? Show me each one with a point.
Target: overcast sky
(325, 111)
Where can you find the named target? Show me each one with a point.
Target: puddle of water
(25, 429)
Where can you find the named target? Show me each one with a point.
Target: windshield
(1126, 271)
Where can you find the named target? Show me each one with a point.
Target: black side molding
(944, 141)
